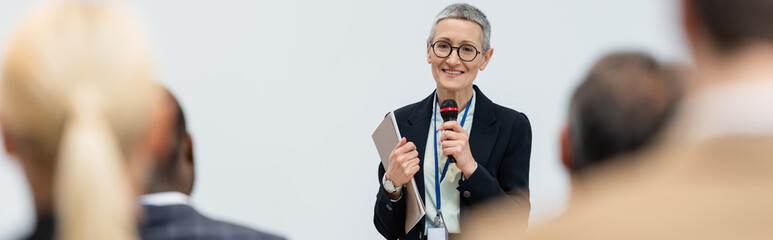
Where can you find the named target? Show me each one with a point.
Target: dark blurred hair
(622, 103)
(734, 23)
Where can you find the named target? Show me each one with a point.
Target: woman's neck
(461, 97)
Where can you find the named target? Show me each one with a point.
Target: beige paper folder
(386, 137)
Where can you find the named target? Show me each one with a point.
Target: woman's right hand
(403, 163)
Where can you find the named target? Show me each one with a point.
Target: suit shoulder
(184, 222)
(228, 230)
(406, 110)
(510, 115)
(242, 232)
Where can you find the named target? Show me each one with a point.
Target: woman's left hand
(455, 142)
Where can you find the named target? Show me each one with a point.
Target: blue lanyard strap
(445, 168)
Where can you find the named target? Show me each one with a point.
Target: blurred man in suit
(623, 102)
(709, 177)
(168, 214)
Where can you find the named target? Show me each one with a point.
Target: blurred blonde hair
(76, 91)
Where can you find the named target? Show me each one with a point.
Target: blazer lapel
(485, 129)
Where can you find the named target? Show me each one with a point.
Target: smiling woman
(491, 163)
(454, 73)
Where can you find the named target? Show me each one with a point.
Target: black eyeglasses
(466, 52)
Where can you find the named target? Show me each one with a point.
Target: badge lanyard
(445, 168)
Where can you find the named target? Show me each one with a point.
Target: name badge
(437, 232)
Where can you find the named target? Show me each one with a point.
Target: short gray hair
(465, 12)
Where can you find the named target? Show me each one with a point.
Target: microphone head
(449, 110)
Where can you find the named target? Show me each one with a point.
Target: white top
(165, 199)
(449, 201)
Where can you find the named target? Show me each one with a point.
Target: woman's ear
(486, 57)
(429, 51)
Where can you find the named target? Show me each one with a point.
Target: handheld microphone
(449, 111)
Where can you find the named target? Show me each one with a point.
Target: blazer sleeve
(513, 172)
(388, 216)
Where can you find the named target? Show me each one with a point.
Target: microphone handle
(450, 157)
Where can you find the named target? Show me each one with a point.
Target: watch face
(389, 186)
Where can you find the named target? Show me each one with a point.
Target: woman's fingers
(451, 150)
(404, 162)
(414, 170)
(449, 135)
(405, 148)
(413, 162)
(401, 149)
(407, 165)
(451, 125)
(412, 154)
(401, 143)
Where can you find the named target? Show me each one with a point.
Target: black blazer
(501, 144)
(184, 222)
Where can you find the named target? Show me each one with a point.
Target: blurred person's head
(173, 168)
(75, 99)
(720, 32)
(623, 102)
(458, 47)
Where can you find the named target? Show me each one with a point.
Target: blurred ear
(429, 51)
(158, 137)
(486, 57)
(188, 164)
(188, 151)
(8, 142)
(687, 16)
(566, 148)
(689, 24)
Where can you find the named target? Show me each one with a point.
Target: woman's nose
(453, 58)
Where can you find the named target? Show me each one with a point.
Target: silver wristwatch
(389, 186)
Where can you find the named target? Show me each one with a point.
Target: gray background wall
(282, 96)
